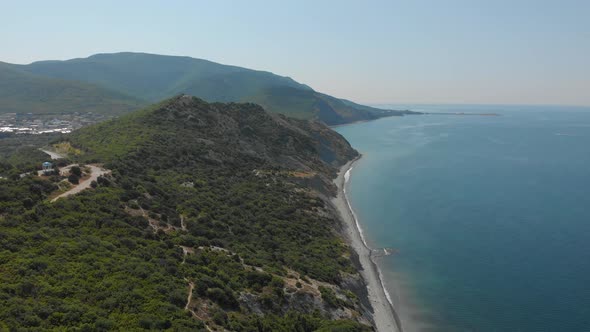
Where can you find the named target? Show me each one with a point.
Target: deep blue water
(490, 215)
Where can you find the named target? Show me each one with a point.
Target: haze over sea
(490, 215)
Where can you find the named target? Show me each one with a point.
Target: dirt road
(95, 172)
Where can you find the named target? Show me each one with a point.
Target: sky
(371, 51)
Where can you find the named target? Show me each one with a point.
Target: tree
(28, 203)
(76, 171)
(74, 179)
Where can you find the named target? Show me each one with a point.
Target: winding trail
(182, 223)
(191, 286)
(186, 251)
(95, 172)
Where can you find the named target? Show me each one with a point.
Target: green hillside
(24, 92)
(154, 77)
(215, 217)
(309, 104)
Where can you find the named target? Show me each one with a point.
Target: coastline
(384, 315)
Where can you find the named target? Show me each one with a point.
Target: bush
(256, 280)
(220, 317)
(277, 282)
(103, 181)
(103, 324)
(28, 203)
(329, 297)
(223, 297)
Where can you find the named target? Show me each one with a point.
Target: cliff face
(215, 215)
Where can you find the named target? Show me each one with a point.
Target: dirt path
(182, 223)
(191, 286)
(186, 251)
(95, 172)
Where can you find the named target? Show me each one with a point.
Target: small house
(47, 168)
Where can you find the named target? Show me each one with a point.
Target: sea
(487, 217)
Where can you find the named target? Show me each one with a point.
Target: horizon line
(377, 104)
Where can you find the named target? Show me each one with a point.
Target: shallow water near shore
(489, 216)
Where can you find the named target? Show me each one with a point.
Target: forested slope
(225, 200)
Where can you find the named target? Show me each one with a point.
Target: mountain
(153, 77)
(24, 92)
(215, 217)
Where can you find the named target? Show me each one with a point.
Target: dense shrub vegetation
(212, 178)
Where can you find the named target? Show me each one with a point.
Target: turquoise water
(490, 216)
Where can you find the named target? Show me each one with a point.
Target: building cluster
(29, 123)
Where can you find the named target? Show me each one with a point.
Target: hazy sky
(469, 51)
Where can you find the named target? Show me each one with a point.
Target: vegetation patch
(65, 148)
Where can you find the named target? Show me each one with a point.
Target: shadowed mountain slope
(24, 92)
(151, 77)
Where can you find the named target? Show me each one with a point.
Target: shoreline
(384, 314)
